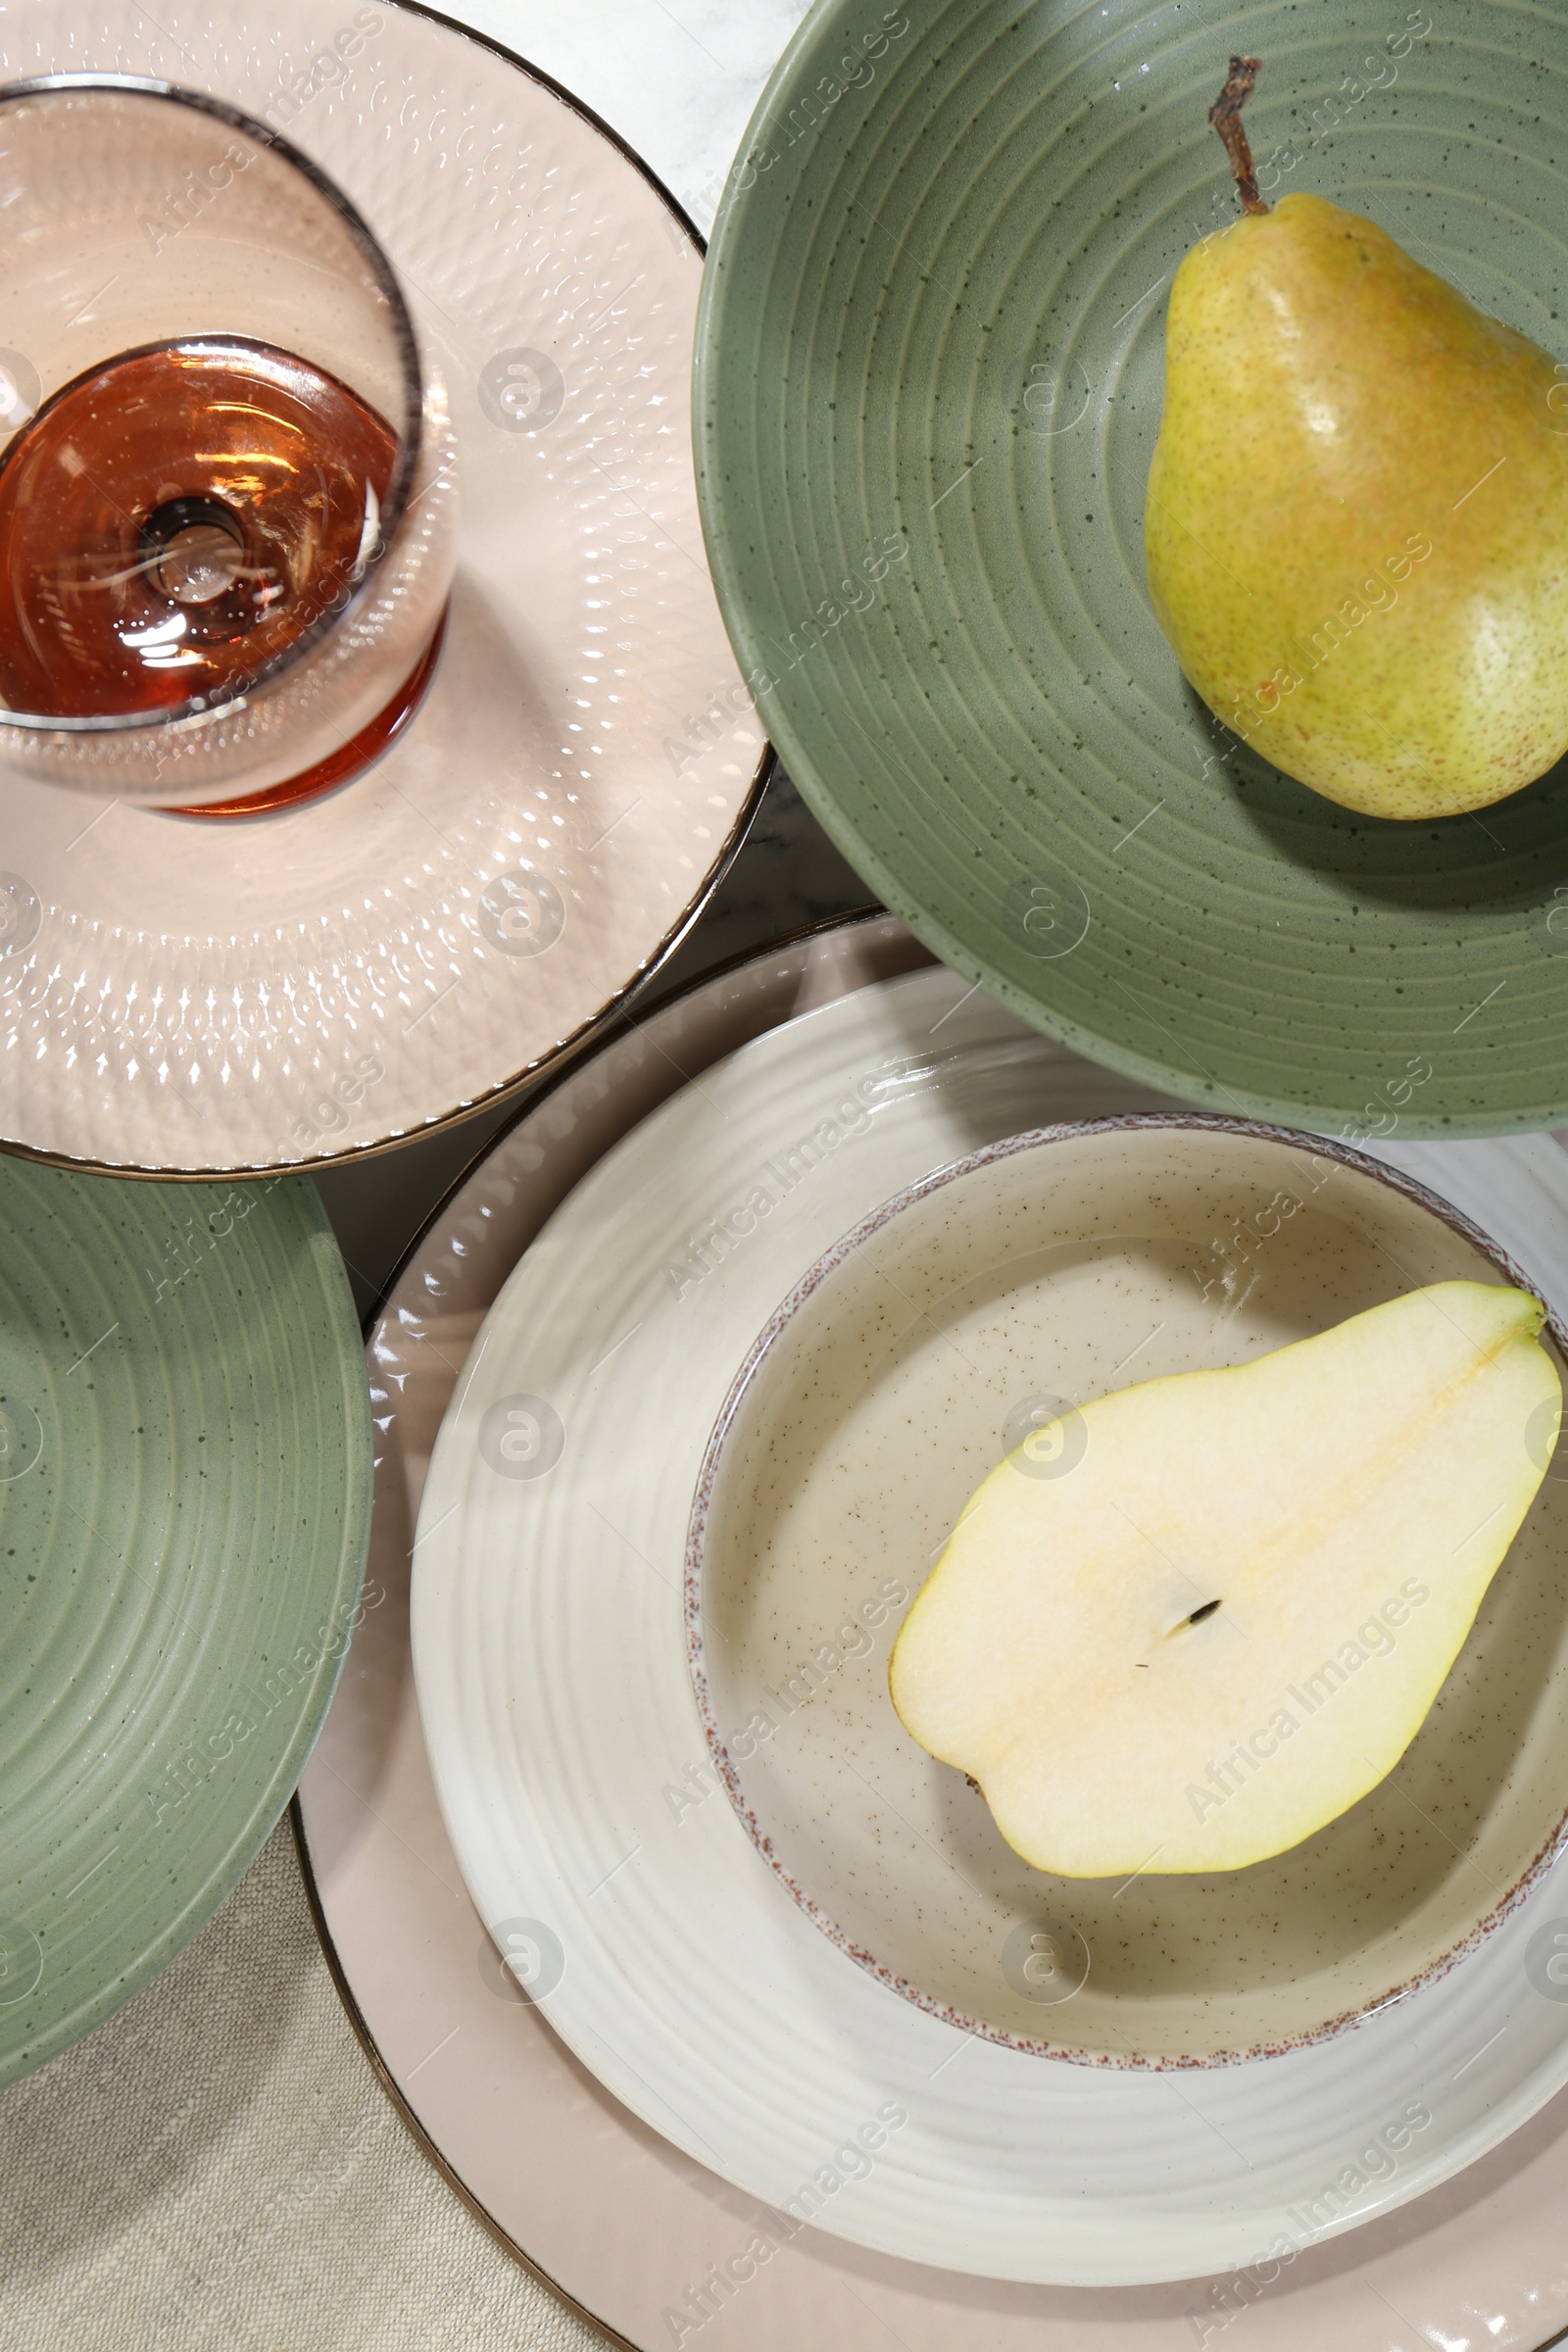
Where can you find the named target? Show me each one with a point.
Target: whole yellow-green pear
(1356, 528)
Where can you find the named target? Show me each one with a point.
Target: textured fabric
(218, 2170)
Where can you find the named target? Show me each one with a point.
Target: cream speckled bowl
(1059, 1265)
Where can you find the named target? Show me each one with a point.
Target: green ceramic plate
(929, 374)
(184, 1507)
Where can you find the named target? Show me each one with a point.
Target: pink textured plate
(189, 996)
(659, 2251)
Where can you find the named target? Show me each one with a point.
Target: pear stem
(1226, 116)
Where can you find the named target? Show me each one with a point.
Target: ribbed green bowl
(928, 384)
(184, 1507)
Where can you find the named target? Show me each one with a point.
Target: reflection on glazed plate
(194, 995)
(569, 1758)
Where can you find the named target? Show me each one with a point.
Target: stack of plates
(952, 2185)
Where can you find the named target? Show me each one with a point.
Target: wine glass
(227, 478)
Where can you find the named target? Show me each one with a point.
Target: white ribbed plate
(200, 996)
(562, 1728)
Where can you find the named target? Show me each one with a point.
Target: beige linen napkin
(218, 2170)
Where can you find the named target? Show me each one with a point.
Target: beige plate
(587, 2194)
(884, 1389)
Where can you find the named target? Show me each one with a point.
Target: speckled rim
(1032, 1140)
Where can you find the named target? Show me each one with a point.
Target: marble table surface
(218, 2169)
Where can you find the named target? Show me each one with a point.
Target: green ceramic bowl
(184, 1508)
(930, 359)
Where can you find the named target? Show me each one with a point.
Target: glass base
(349, 761)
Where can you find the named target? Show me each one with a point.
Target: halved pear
(1228, 1616)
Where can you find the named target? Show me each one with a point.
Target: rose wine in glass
(223, 556)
